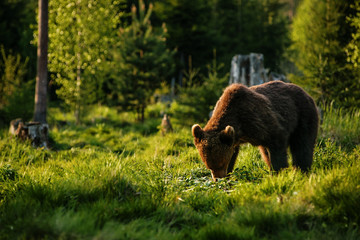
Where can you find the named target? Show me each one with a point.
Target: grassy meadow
(114, 178)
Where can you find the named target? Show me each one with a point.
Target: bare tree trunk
(41, 78)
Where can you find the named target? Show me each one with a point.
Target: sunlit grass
(115, 178)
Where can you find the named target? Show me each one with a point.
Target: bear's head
(216, 148)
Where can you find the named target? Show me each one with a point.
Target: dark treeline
(119, 52)
(196, 27)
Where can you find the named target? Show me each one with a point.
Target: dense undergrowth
(113, 178)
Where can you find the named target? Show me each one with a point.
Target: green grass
(341, 126)
(113, 178)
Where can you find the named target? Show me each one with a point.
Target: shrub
(199, 100)
(337, 195)
(16, 95)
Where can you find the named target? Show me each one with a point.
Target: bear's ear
(227, 136)
(197, 132)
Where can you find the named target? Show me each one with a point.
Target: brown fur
(273, 116)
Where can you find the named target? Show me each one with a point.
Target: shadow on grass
(99, 133)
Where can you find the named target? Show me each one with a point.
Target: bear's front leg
(233, 160)
(274, 157)
(265, 155)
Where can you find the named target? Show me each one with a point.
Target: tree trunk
(41, 78)
(248, 70)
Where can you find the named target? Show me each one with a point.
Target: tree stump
(36, 132)
(248, 69)
(166, 126)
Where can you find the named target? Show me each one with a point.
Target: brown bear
(273, 116)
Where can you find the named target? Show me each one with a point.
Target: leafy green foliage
(122, 182)
(81, 36)
(352, 50)
(320, 34)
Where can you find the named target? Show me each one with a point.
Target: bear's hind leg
(302, 140)
(302, 152)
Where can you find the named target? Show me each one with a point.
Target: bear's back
(278, 92)
(290, 101)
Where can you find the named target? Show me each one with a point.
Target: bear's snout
(218, 174)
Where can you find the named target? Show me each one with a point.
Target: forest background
(115, 53)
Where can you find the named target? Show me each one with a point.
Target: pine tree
(320, 33)
(353, 54)
(190, 31)
(196, 27)
(144, 61)
(253, 26)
